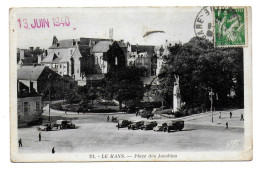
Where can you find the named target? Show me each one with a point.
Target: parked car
(124, 123)
(149, 125)
(161, 127)
(175, 125)
(64, 124)
(46, 127)
(37, 121)
(136, 125)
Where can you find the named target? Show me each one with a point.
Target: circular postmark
(203, 25)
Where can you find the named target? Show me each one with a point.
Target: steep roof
(76, 53)
(29, 72)
(102, 46)
(64, 44)
(49, 58)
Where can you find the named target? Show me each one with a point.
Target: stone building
(40, 78)
(141, 56)
(29, 104)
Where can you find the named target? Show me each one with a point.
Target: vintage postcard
(131, 84)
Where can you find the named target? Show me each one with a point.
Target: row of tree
(202, 67)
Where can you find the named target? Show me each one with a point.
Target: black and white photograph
(130, 84)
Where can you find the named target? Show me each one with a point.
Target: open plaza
(93, 133)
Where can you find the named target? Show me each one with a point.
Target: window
(77, 71)
(25, 106)
(37, 106)
(60, 66)
(64, 66)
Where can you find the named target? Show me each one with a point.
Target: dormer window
(58, 44)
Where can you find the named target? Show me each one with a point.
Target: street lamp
(49, 97)
(211, 103)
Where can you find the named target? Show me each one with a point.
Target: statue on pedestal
(176, 95)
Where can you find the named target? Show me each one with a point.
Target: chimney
(45, 53)
(31, 48)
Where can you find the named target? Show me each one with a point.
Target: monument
(176, 95)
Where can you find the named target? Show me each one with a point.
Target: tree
(123, 84)
(202, 67)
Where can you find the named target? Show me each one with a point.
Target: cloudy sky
(129, 24)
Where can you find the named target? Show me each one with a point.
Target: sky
(128, 23)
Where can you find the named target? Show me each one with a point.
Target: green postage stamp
(230, 26)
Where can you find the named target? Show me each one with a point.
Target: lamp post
(49, 97)
(211, 103)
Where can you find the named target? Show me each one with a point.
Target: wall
(25, 116)
(60, 52)
(102, 63)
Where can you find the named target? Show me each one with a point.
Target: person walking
(118, 125)
(226, 125)
(53, 150)
(107, 118)
(230, 114)
(20, 142)
(40, 136)
(242, 117)
(220, 115)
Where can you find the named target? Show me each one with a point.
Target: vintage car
(45, 127)
(175, 125)
(136, 125)
(160, 127)
(149, 125)
(64, 124)
(123, 123)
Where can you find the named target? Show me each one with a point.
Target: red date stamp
(43, 22)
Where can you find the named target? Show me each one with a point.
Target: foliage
(123, 84)
(201, 67)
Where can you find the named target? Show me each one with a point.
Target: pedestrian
(107, 118)
(40, 136)
(220, 115)
(242, 117)
(78, 111)
(53, 150)
(230, 114)
(226, 125)
(20, 143)
(65, 111)
(118, 125)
